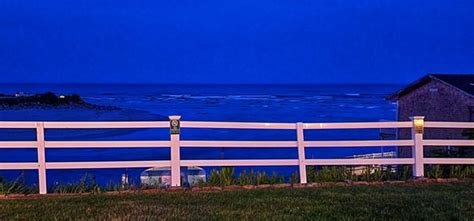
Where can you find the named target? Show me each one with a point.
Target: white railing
(175, 144)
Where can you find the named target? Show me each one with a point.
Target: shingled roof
(463, 82)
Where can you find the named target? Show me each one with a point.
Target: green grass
(450, 201)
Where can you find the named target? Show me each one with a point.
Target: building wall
(437, 102)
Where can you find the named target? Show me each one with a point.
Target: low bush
(330, 174)
(367, 173)
(17, 186)
(86, 184)
(449, 171)
(226, 177)
(295, 178)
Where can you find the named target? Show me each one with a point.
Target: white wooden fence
(417, 142)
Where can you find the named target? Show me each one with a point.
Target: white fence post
(41, 158)
(301, 152)
(175, 153)
(417, 150)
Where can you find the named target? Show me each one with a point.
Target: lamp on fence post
(417, 131)
(175, 153)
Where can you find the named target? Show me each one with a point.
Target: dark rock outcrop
(48, 99)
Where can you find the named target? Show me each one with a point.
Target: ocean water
(241, 103)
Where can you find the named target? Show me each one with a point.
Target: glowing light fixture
(419, 124)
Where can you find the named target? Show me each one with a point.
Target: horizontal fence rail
(18, 144)
(358, 125)
(105, 144)
(416, 142)
(271, 144)
(343, 162)
(237, 125)
(359, 143)
(106, 125)
(109, 164)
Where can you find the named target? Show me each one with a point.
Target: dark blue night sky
(245, 41)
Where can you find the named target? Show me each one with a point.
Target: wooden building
(438, 97)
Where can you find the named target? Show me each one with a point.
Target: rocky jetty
(44, 100)
(52, 107)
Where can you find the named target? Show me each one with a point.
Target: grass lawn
(450, 201)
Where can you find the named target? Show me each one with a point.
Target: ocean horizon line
(213, 84)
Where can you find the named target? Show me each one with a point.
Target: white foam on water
(321, 97)
(372, 107)
(250, 97)
(352, 94)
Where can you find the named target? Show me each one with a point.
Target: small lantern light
(419, 124)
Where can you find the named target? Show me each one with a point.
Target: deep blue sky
(245, 41)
